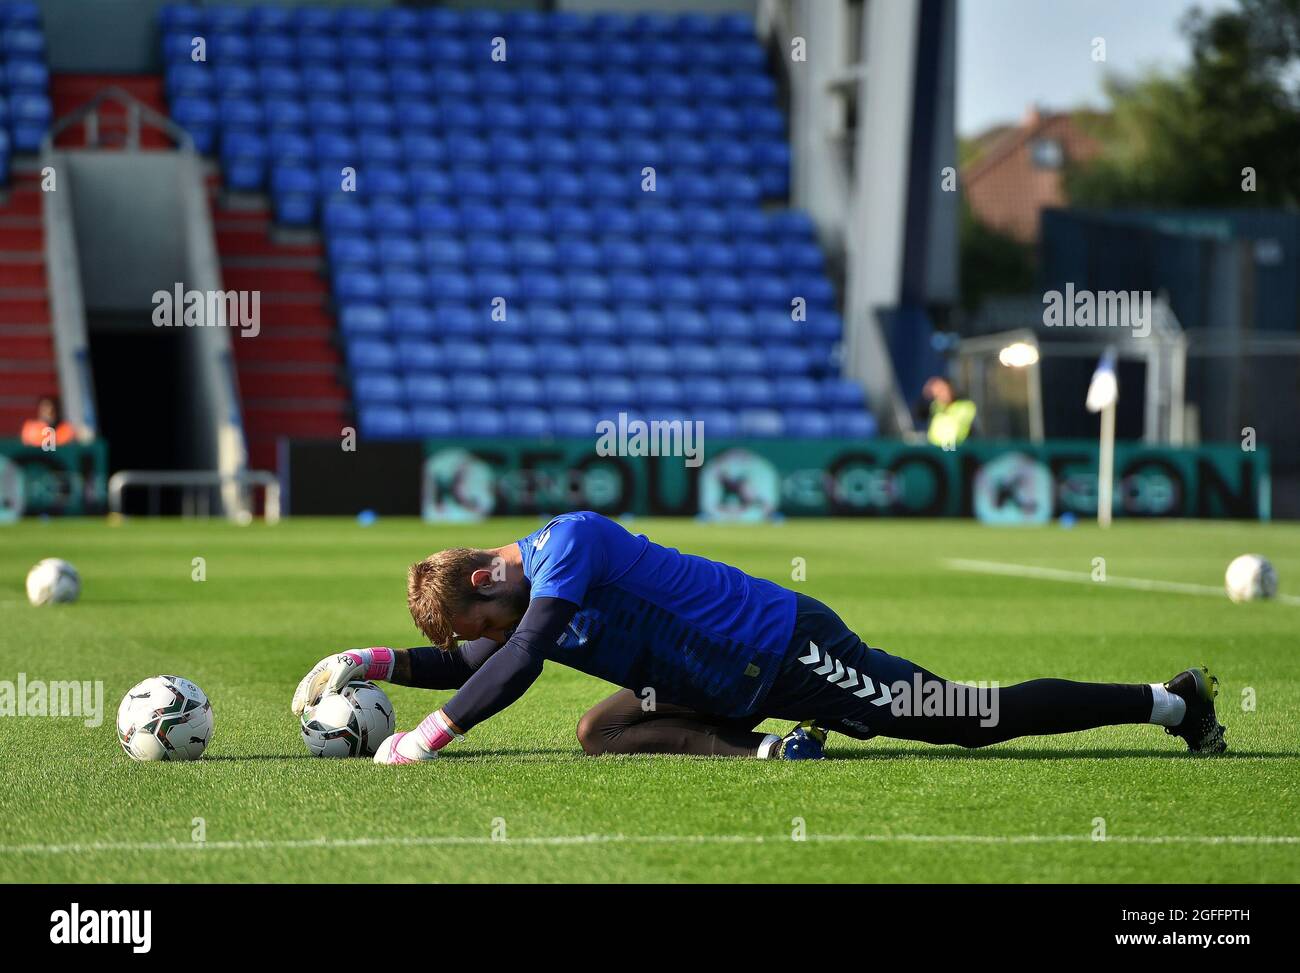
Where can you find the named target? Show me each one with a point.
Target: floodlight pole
(1106, 465)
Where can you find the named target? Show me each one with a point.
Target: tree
(1185, 139)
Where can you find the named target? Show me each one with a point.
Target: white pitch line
(1084, 577)
(623, 839)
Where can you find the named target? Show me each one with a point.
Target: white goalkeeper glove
(334, 672)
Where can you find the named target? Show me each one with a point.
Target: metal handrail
(119, 481)
(136, 110)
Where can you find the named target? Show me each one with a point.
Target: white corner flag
(1103, 390)
(1103, 393)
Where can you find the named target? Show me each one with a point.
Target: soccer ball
(164, 718)
(350, 723)
(53, 580)
(1249, 577)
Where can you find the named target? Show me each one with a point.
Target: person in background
(49, 416)
(950, 417)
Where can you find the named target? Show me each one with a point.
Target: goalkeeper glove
(331, 674)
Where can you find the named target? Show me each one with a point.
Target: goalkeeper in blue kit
(704, 653)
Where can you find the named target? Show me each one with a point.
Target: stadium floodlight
(999, 372)
(1018, 354)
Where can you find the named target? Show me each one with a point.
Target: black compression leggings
(1041, 706)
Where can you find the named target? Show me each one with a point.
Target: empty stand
(502, 266)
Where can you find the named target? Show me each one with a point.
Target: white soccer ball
(350, 723)
(53, 580)
(1249, 577)
(164, 718)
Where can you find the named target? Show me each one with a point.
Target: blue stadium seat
(480, 421)
(465, 356)
(808, 423)
(373, 387)
(26, 76)
(520, 388)
(424, 389)
(573, 422)
(477, 180)
(401, 251)
(548, 323)
(480, 389)
(198, 116)
(293, 194)
(512, 356)
(566, 389)
(659, 391)
(761, 423)
(613, 393)
(530, 422)
(793, 390)
(842, 393)
(434, 422)
(456, 320)
(371, 354)
(417, 355)
(407, 318)
(719, 424)
(853, 424)
(271, 48)
(605, 359)
(384, 422)
(750, 391)
(743, 359)
(243, 158)
(363, 320)
(651, 358)
(700, 359)
(285, 116)
(358, 285)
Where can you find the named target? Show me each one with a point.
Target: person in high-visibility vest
(49, 423)
(951, 418)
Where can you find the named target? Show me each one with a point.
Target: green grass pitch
(277, 599)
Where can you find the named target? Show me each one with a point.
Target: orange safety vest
(34, 433)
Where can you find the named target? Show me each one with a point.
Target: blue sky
(1011, 53)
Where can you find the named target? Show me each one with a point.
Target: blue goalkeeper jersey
(697, 632)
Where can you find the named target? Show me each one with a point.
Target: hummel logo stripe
(814, 655)
(845, 677)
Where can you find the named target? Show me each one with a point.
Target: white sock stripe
(1167, 709)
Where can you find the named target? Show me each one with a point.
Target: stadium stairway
(289, 373)
(27, 368)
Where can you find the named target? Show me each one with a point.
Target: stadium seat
(475, 183)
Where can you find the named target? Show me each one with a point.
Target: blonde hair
(438, 588)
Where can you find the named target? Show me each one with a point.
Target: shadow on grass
(1046, 753)
(907, 753)
(552, 752)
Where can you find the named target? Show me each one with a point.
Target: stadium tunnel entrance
(143, 411)
(161, 394)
